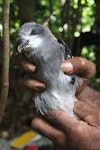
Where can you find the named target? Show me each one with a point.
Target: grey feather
(41, 48)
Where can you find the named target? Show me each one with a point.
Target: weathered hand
(22, 62)
(82, 67)
(68, 133)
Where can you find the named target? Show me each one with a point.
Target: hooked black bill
(22, 45)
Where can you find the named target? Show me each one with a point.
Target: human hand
(82, 67)
(69, 133)
(23, 63)
(79, 66)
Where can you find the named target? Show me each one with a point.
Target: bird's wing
(68, 53)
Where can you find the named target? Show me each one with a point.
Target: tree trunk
(5, 59)
(26, 10)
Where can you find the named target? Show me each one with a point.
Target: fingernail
(40, 86)
(32, 68)
(43, 87)
(67, 67)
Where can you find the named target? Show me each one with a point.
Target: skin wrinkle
(58, 134)
(88, 113)
(91, 96)
(80, 135)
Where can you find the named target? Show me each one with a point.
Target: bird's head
(31, 36)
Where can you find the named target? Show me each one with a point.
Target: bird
(39, 45)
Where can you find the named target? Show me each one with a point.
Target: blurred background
(77, 22)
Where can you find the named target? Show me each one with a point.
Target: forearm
(91, 96)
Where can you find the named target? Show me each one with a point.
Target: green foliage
(89, 53)
(50, 12)
(59, 15)
(87, 19)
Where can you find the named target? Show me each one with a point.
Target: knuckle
(83, 61)
(89, 67)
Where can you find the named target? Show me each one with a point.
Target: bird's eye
(33, 32)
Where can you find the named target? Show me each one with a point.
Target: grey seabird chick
(41, 48)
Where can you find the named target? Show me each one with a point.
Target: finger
(75, 130)
(31, 84)
(79, 66)
(87, 113)
(62, 121)
(22, 62)
(42, 127)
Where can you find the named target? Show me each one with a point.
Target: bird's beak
(22, 45)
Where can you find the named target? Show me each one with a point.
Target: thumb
(80, 66)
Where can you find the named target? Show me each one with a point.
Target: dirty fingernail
(67, 67)
(31, 68)
(40, 86)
